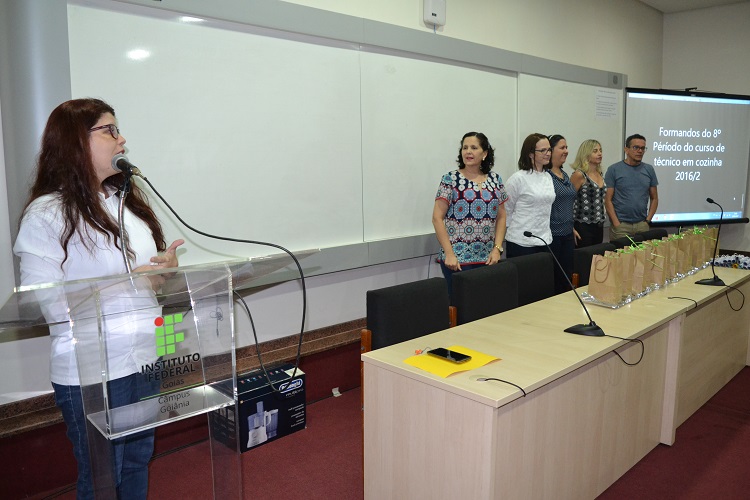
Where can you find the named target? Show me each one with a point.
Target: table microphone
(715, 281)
(592, 329)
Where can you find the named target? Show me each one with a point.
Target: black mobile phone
(452, 356)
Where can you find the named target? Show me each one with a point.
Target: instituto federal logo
(166, 337)
(170, 370)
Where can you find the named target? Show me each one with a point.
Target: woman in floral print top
(469, 212)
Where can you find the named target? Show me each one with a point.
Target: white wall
(710, 49)
(623, 36)
(6, 257)
(16, 356)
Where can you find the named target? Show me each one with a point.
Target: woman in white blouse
(530, 196)
(69, 231)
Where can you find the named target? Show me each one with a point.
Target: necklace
(478, 180)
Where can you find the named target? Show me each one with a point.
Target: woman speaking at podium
(69, 231)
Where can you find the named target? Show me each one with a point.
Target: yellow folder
(443, 367)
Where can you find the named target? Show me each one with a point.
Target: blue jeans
(131, 454)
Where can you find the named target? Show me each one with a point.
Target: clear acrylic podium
(171, 333)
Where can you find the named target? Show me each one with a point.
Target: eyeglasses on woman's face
(113, 130)
(543, 151)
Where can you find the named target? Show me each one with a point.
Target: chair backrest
(651, 234)
(582, 260)
(404, 312)
(622, 242)
(536, 277)
(485, 291)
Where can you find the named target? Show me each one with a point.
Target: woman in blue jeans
(69, 231)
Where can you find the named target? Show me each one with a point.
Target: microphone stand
(590, 330)
(715, 281)
(121, 223)
(121, 164)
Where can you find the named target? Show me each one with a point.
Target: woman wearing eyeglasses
(69, 231)
(561, 217)
(530, 197)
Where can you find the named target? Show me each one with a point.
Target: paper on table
(444, 368)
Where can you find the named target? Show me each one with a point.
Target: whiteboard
(414, 113)
(303, 141)
(247, 136)
(553, 106)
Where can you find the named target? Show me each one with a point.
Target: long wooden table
(587, 416)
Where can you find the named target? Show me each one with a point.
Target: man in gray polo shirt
(631, 198)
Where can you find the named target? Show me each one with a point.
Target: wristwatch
(499, 249)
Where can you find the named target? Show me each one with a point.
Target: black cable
(686, 298)
(252, 242)
(257, 347)
(487, 379)
(730, 302)
(643, 349)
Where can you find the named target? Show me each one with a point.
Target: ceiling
(671, 6)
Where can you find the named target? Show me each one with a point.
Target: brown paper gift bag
(627, 261)
(639, 269)
(697, 248)
(671, 256)
(712, 233)
(658, 265)
(605, 280)
(648, 266)
(684, 256)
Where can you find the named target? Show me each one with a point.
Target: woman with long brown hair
(69, 231)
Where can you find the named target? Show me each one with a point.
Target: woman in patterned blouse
(469, 212)
(588, 179)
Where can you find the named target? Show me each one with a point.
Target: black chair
(404, 312)
(536, 277)
(651, 234)
(485, 291)
(622, 242)
(582, 261)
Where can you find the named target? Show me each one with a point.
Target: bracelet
(499, 249)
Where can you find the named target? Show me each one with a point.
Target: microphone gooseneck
(121, 164)
(715, 281)
(592, 329)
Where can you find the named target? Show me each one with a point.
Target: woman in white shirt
(530, 196)
(69, 231)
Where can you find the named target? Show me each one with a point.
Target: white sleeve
(512, 189)
(38, 246)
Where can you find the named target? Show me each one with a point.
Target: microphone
(592, 329)
(121, 163)
(715, 281)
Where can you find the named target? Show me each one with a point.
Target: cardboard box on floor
(265, 414)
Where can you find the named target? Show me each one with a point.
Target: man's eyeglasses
(544, 151)
(639, 148)
(113, 130)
